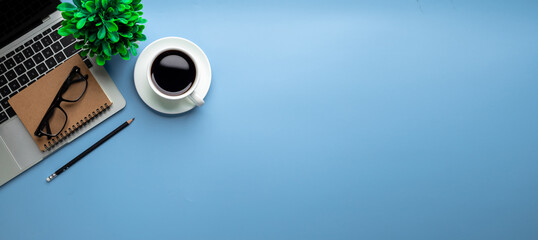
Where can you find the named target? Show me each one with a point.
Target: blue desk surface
(325, 120)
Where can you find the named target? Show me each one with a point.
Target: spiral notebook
(31, 103)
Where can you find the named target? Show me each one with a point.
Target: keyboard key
(10, 54)
(3, 81)
(3, 117)
(54, 35)
(57, 25)
(4, 103)
(67, 40)
(56, 47)
(18, 58)
(20, 48)
(59, 57)
(41, 68)
(38, 57)
(14, 85)
(28, 52)
(13, 94)
(2, 59)
(50, 62)
(23, 79)
(47, 31)
(3, 68)
(46, 41)
(10, 63)
(29, 43)
(70, 50)
(20, 69)
(47, 52)
(10, 112)
(29, 63)
(32, 74)
(39, 36)
(4, 91)
(88, 63)
(37, 46)
(10, 75)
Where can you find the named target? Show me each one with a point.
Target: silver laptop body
(18, 151)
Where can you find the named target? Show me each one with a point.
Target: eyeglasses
(55, 119)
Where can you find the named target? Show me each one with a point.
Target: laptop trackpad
(20, 144)
(8, 167)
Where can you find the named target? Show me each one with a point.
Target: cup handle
(196, 99)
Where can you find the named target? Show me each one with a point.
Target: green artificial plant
(104, 27)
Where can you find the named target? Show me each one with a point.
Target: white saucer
(149, 96)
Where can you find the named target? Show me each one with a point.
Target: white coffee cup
(190, 94)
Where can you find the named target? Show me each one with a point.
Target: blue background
(325, 120)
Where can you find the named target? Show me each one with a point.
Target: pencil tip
(130, 121)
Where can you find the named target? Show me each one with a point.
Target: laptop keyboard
(31, 61)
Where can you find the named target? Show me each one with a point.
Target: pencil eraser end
(51, 177)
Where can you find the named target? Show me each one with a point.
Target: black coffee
(173, 72)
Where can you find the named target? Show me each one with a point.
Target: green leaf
(111, 26)
(133, 50)
(79, 15)
(125, 56)
(142, 20)
(106, 49)
(113, 36)
(66, 30)
(126, 15)
(123, 20)
(104, 3)
(84, 53)
(92, 37)
(126, 1)
(89, 6)
(91, 18)
(81, 23)
(66, 7)
(102, 32)
(79, 44)
(140, 37)
(133, 17)
(67, 15)
(100, 60)
(121, 49)
(77, 3)
(126, 35)
(138, 7)
(121, 7)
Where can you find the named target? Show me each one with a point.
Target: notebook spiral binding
(70, 130)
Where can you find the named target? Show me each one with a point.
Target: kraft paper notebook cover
(32, 102)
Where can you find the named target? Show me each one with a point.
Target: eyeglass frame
(58, 99)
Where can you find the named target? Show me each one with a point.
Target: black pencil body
(90, 149)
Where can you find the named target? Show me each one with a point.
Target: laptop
(30, 47)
